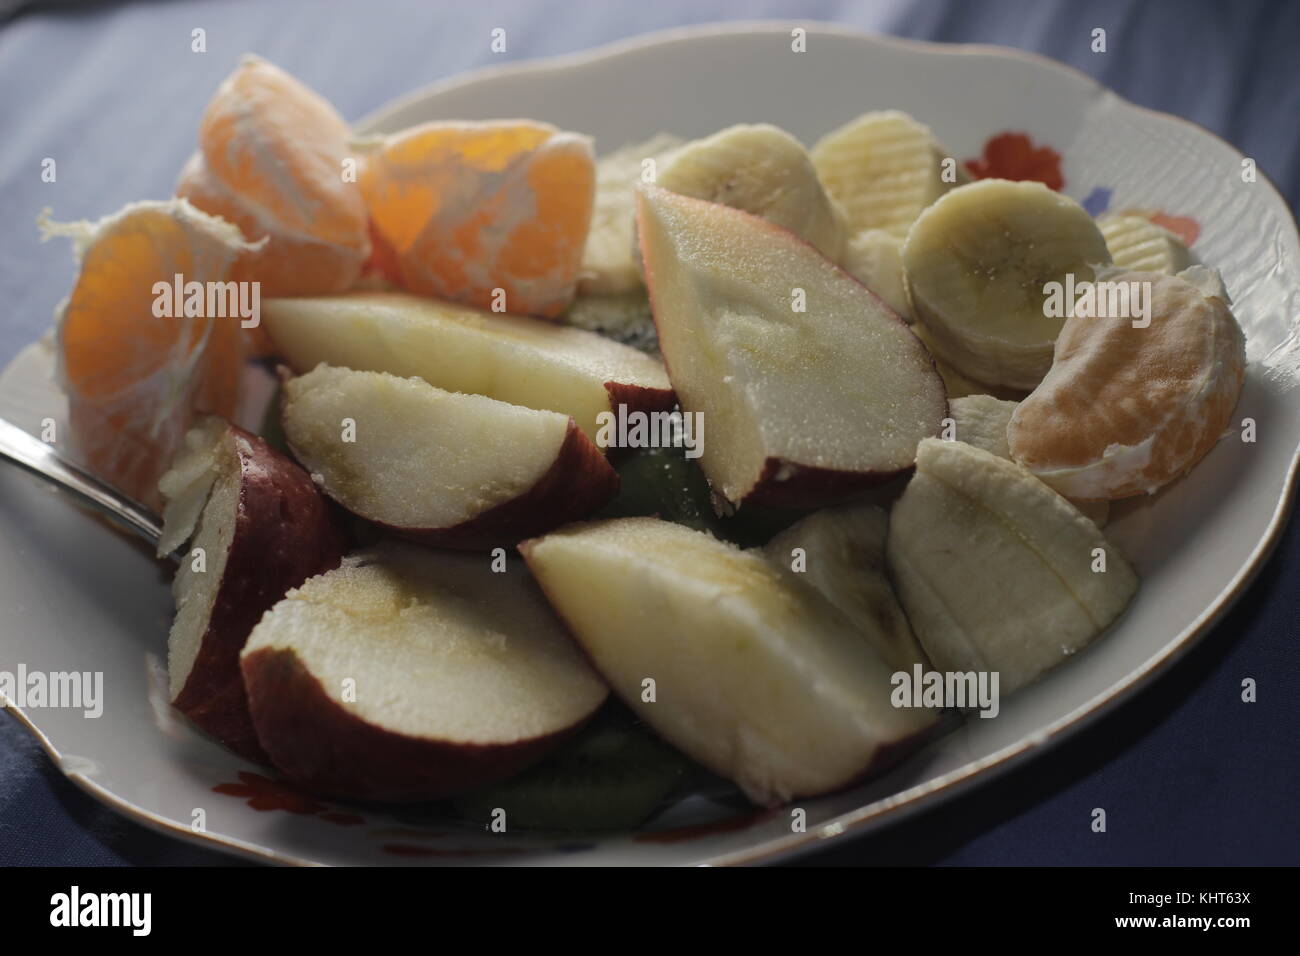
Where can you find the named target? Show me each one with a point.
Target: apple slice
(997, 572)
(811, 388)
(841, 553)
(259, 527)
(408, 674)
(750, 671)
(511, 358)
(458, 471)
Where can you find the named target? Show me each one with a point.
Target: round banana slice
(1137, 243)
(884, 168)
(875, 258)
(959, 385)
(761, 170)
(979, 263)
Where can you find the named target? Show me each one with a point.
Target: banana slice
(996, 570)
(624, 317)
(982, 421)
(1137, 243)
(958, 384)
(875, 258)
(884, 168)
(607, 264)
(761, 170)
(977, 265)
(842, 554)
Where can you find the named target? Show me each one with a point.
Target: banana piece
(982, 420)
(996, 570)
(1137, 243)
(762, 170)
(958, 384)
(875, 258)
(624, 317)
(607, 264)
(977, 264)
(884, 168)
(842, 555)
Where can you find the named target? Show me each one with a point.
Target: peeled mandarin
(134, 378)
(492, 214)
(1124, 409)
(274, 159)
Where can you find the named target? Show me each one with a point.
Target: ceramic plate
(78, 597)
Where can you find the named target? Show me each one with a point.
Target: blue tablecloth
(1188, 773)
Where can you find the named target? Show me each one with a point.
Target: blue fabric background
(1187, 772)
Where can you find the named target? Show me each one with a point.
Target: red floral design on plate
(1014, 156)
(1184, 227)
(263, 793)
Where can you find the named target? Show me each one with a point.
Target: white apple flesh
(408, 674)
(263, 528)
(523, 361)
(449, 469)
(753, 674)
(812, 389)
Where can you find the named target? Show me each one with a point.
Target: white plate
(79, 597)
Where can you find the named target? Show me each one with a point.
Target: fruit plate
(79, 597)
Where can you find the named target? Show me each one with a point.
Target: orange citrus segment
(286, 264)
(134, 378)
(470, 208)
(281, 148)
(1126, 409)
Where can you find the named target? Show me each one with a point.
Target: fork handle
(42, 460)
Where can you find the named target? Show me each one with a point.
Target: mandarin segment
(281, 146)
(470, 208)
(286, 264)
(1126, 409)
(133, 378)
(271, 161)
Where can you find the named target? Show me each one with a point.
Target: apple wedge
(812, 389)
(408, 674)
(750, 671)
(997, 572)
(453, 470)
(523, 361)
(841, 553)
(257, 527)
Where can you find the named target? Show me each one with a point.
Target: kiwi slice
(663, 482)
(612, 776)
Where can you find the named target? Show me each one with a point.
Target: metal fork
(42, 460)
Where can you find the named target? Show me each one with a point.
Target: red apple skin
(808, 486)
(285, 532)
(579, 481)
(640, 398)
(316, 742)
